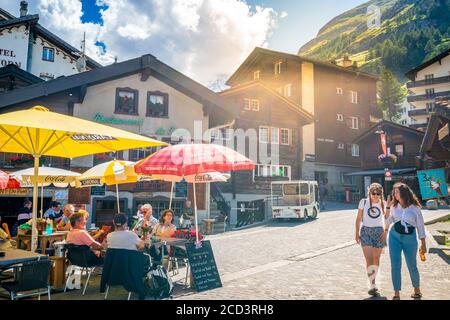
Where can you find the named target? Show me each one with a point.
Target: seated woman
(165, 228)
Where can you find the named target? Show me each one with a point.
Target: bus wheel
(305, 217)
(314, 216)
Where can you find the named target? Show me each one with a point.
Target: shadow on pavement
(376, 298)
(441, 254)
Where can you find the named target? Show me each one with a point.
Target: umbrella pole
(117, 196)
(171, 195)
(34, 235)
(195, 214)
(42, 200)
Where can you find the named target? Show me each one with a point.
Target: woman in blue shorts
(369, 232)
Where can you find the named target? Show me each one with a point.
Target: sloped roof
(257, 52)
(19, 73)
(385, 123)
(46, 34)
(411, 74)
(251, 84)
(146, 63)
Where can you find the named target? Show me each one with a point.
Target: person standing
(407, 219)
(25, 213)
(371, 215)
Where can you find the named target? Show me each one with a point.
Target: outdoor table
(43, 239)
(173, 242)
(15, 256)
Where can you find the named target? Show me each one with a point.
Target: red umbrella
(190, 159)
(6, 182)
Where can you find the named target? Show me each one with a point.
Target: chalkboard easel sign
(203, 267)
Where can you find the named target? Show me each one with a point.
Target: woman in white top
(371, 215)
(408, 222)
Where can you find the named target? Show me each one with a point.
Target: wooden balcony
(426, 82)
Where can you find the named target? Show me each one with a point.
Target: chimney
(347, 62)
(23, 8)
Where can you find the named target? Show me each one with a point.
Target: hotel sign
(113, 120)
(6, 56)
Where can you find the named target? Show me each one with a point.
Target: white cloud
(206, 39)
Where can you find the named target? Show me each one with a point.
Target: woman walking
(371, 214)
(406, 216)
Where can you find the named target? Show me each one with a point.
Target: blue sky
(304, 19)
(206, 40)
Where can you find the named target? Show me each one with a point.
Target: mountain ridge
(411, 31)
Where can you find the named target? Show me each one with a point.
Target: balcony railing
(418, 125)
(420, 83)
(424, 97)
(418, 112)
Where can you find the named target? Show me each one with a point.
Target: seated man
(64, 224)
(79, 236)
(122, 238)
(54, 213)
(148, 221)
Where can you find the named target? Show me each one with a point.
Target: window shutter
(348, 122)
(349, 149)
(362, 123)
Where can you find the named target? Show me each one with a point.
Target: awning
(380, 172)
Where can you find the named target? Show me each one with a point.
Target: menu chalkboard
(203, 267)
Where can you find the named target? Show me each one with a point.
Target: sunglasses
(376, 194)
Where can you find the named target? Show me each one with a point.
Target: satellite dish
(81, 64)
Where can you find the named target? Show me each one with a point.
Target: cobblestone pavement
(312, 260)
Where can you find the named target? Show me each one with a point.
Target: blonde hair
(376, 187)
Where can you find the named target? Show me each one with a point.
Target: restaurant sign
(90, 182)
(98, 117)
(432, 184)
(15, 192)
(203, 266)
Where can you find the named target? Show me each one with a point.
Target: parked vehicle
(295, 200)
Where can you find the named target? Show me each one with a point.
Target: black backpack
(160, 284)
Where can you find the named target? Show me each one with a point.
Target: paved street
(313, 260)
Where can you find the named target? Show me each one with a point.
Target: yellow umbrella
(110, 173)
(39, 132)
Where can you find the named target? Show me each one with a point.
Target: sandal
(396, 298)
(416, 296)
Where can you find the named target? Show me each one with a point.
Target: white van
(295, 200)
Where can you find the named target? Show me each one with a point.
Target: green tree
(391, 95)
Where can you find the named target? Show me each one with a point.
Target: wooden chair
(6, 229)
